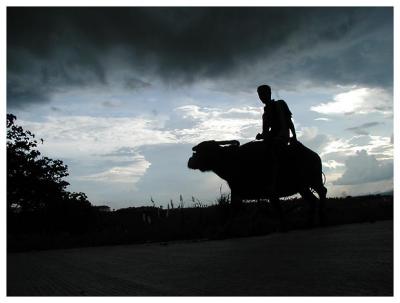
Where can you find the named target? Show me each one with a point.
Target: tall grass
(196, 221)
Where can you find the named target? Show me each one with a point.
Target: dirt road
(345, 260)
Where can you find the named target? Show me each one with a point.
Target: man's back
(276, 119)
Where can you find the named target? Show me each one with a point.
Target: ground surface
(345, 260)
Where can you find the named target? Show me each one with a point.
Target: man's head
(264, 93)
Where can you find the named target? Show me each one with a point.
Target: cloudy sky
(122, 94)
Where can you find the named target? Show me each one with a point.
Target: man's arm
(266, 125)
(291, 126)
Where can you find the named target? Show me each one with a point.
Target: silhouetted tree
(35, 182)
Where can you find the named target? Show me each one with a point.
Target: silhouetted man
(277, 120)
(276, 128)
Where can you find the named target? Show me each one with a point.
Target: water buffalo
(247, 170)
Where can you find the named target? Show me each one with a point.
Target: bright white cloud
(364, 168)
(312, 138)
(350, 163)
(122, 174)
(332, 164)
(107, 143)
(307, 133)
(194, 112)
(379, 146)
(358, 101)
(243, 112)
(330, 178)
(78, 136)
(219, 124)
(204, 113)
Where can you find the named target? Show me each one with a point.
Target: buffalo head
(206, 154)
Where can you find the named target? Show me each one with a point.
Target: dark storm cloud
(362, 129)
(134, 83)
(53, 49)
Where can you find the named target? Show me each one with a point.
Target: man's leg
(278, 155)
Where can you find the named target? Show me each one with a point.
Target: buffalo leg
(277, 206)
(312, 201)
(321, 190)
(236, 201)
